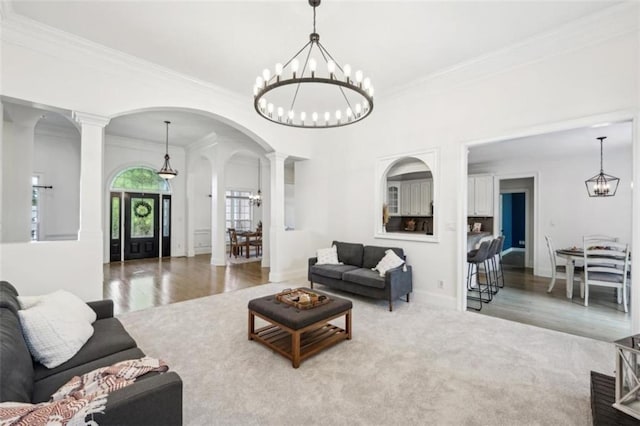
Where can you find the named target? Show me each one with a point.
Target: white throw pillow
(328, 256)
(389, 261)
(62, 300)
(53, 336)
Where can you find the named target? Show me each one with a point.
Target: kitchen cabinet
(393, 198)
(416, 197)
(480, 195)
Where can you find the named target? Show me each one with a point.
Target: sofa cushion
(8, 297)
(16, 366)
(365, 277)
(109, 337)
(332, 271)
(373, 255)
(43, 389)
(349, 253)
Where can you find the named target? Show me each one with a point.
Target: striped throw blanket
(80, 397)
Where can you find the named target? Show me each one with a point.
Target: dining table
(574, 256)
(247, 239)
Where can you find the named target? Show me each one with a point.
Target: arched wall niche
(406, 194)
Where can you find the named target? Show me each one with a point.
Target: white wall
(202, 206)
(551, 89)
(56, 158)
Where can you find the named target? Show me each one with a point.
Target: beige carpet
(415, 365)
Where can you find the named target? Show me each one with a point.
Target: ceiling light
(602, 184)
(166, 172)
(256, 199)
(353, 97)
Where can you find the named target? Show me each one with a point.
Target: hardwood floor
(525, 299)
(140, 284)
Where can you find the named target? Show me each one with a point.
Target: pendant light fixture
(256, 200)
(331, 95)
(602, 184)
(166, 172)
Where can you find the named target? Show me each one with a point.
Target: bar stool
(475, 258)
(500, 273)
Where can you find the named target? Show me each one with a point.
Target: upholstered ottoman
(299, 333)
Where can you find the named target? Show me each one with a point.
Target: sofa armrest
(312, 261)
(399, 281)
(102, 308)
(155, 400)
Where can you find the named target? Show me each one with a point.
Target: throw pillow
(64, 301)
(389, 261)
(328, 256)
(52, 336)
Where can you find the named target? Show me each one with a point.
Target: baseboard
(203, 250)
(277, 277)
(435, 300)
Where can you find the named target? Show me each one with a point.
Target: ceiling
(228, 43)
(569, 142)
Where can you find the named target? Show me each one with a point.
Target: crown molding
(610, 23)
(33, 35)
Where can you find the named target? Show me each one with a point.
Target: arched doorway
(140, 215)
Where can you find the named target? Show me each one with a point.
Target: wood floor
(525, 299)
(140, 284)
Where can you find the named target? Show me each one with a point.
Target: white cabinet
(415, 197)
(480, 195)
(393, 198)
(405, 200)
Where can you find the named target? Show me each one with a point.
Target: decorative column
(91, 164)
(276, 229)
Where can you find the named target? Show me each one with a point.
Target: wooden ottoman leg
(311, 284)
(348, 324)
(295, 349)
(252, 325)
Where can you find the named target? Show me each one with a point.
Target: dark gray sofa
(154, 399)
(356, 276)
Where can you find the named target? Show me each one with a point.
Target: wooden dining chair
(234, 247)
(257, 243)
(606, 264)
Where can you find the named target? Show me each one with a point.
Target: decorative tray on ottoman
(302, 298)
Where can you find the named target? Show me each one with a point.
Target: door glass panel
(142, 215)
(166, 224)
(115, 218)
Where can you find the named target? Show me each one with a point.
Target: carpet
(415, 365)
(241, 260)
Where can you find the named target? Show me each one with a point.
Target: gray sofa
(356, 276)
(154, 399)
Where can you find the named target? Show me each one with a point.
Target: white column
(635, 228)
(218, 213)
(276, 231)
(17, 169)
(91, 164)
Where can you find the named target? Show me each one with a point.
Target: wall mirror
(406, 193)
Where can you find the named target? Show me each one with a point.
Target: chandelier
(256, 199)
(602, 184)
(166, 172)
(327, 95)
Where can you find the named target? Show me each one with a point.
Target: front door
(141, 225)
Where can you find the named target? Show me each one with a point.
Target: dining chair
(257, 243)
(234, 247)
(600, 237)
(557, 271)
(606, 264)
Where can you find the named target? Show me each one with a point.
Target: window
(140, 179)
(35, 209)
(238, 210)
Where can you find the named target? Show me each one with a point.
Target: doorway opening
(140, 215)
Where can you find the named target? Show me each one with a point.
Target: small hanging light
(166, 172)
(256, 200)
(602, 184)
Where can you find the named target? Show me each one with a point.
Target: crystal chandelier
(602, 184)
(333, 98)
(166, 172)
(256, 199)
